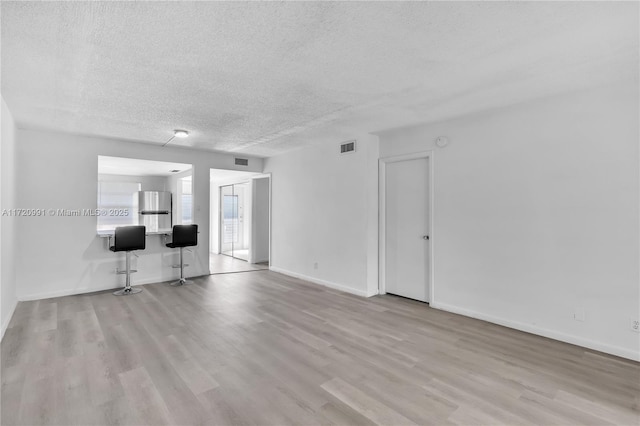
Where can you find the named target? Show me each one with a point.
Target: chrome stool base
(183, 236)
(127, 291)
(128, 239)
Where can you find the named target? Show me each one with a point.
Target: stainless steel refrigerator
(155, 210)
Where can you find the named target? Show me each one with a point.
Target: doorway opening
(240, 221)
(234, 221)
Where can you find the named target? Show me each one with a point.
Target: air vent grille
(347, 147)
(242, 161)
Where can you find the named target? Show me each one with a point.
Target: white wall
(324, 211)
(147, 183)
(536, 214)
(63, 255)
(260, 220)
(7, 229)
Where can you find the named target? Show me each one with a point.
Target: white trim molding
(551, 334)
(382, 177)
(5, 325)
(324, 283)
(88, 290)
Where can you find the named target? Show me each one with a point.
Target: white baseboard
(85, 290)
(556, 335)
(68, 292)
(324, 283)
(6, 323)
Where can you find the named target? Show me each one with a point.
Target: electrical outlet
(315, 265)
(578, 314)
(635, 325)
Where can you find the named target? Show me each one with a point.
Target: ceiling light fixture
(178, 133)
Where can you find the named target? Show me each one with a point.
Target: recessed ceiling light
(180, 133)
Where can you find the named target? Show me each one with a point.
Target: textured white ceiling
(264, 78)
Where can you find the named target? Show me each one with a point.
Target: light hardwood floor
(265, 349)
(221, 264)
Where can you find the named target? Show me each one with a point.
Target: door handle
(425, 237)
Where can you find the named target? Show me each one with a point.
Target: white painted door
(407, 228)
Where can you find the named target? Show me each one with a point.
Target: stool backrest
(185, 235)
(129, 238)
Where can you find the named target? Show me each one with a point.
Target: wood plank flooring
(222, 264)
(260, 348)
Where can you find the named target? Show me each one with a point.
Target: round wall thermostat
(442, 141)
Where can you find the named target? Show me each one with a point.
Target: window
(186, 200)
(119, 197)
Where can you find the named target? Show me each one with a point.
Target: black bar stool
(127, 239)
(183, 236)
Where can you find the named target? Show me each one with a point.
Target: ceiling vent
(242, 161)
(348, 147)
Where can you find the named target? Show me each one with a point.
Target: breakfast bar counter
(107, 233)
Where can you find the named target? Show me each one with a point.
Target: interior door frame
(221, 218)
(220, 213)
(382, 218)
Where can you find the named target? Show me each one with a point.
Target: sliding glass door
(234, 232)
(228, 219)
